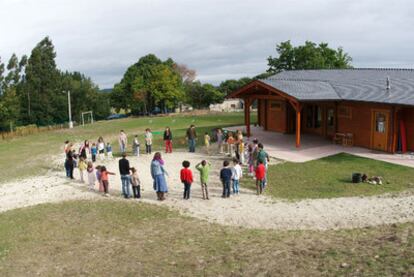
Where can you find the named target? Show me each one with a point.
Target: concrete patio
(282, 146)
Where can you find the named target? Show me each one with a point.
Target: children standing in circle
(158, 175)
(135, 146)
(82, 166)
(207, 142)
(148, 141)
(101, 148)
(105, 179)
(204, 169)
(225, 177)
(91, 176)
(109, 151)
(219, 135)
(237, 174)
(136, 183)
(94, 152)
(186, 176)
(168, 140)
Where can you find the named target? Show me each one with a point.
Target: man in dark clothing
(191, 137)
(225, 177)
(124, 171)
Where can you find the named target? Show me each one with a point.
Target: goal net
(87, 117)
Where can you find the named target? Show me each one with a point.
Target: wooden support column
(298, 108)
(395, 129)
(247, 103)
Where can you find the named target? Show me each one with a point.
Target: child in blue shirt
(109, 151)
(225, 177)
(94, 152)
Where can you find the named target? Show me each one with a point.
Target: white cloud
(220, 39)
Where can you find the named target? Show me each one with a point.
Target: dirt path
(246, 210)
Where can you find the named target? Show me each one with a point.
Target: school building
(371, 108)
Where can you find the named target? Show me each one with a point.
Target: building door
(380, 130)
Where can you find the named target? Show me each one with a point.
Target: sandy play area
(246, 210)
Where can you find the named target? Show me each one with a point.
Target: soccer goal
(88, 117)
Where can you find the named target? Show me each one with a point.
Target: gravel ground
(246, 209)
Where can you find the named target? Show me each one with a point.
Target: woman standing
(168, 140)
(158, 175)
(84, 150)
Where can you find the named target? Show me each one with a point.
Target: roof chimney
(388, 83)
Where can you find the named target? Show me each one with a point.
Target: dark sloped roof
(368, 85)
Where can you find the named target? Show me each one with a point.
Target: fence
(28, 130)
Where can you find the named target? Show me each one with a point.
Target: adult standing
(168, 140)
(124, 171)
(69, 163)
(123, 141)
(158, 175)
(84, 150)
(191, 138)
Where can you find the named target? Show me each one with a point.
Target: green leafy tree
(42, 100)
(147, 84)
(202, 95)
(232, 85)
(307, 56)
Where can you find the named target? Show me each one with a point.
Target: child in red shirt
(186, 176)
(260, 177)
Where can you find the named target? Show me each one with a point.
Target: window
(309, 117)
(345, 112)
(313, 116)
(330, 117)
(380, 123)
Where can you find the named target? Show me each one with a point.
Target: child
(260, 177)
(204, 169)
(186, 176)
(207, 142)
(109, 151)
(230, 142)
(82, 167)
(220, 140)
(105, 179)
(250, 159)
(237, 173)
(225, 177)
(241, 151)
(135, 146)
(94, 152)
(148, 141)
(136, 183)
(101, 148)
(98, 178)
(91, 176)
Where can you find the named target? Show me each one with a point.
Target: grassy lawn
(30, 155)
(331, 177)
(111, 238)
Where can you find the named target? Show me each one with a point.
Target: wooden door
(380, 129)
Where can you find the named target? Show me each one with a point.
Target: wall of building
(359, 122)
(408, 117)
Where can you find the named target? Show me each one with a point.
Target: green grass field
(118, 238)
(30, 155)
(331, 177)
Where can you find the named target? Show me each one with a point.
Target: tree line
(152, 83)
(32, 89)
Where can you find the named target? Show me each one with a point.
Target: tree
(147, 84)
(232, 85)
(307, 56)
(188, 75)
(41, 98)
(202, 95)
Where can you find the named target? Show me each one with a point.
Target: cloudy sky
(219, 39)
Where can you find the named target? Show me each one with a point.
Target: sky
(220, 39)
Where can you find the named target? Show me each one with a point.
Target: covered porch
(283, 147)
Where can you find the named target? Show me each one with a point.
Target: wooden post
(247, 115)
(395, 130)
(298, 113)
